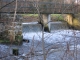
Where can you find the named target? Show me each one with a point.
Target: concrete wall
(72, 21)
(45, 21)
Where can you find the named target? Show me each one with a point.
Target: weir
(45, 21)
(44, 8)
(30, 27)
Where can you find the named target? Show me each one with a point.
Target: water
(27, 28)
(35, 27)
(33, 32)
(58, 26)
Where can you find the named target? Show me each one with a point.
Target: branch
(15, 11)
(7, 4)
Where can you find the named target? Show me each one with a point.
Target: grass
(9, 42)
(18, 40)
(57, 17)
(4, 41)
(35, 15)
(54, 17)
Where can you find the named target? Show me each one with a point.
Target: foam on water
(34, 31)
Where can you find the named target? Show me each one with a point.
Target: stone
(11, 35)
(15, 51)
(26, 40)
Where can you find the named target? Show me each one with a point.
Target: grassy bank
(29, 15)
(6, 39)
(57, 17)
(35, 17)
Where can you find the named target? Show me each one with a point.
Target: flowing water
(35, 27)
(28, 28)
(58, 26)
(35, 44)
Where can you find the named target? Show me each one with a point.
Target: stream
(54, 42)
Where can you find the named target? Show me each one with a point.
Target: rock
(23, 55)
(26, 40)
(15, 52)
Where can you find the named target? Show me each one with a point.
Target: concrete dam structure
(42, 7)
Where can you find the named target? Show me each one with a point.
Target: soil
(34, 19)
(30, 19)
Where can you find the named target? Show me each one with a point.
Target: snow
(55, 37)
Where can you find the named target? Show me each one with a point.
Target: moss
(76, 24)
(4, 41)
(18, 40)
